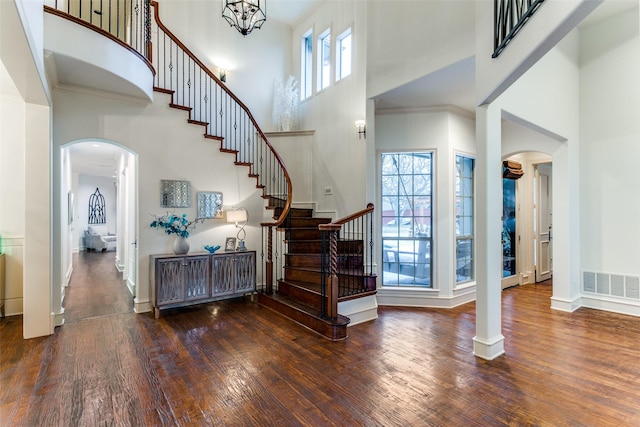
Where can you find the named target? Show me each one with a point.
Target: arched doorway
(95, 166)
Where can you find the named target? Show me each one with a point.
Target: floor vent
(615, 285)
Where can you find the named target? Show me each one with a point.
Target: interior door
(543, 236)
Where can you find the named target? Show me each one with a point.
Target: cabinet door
(222, 274)
(196, 277)
(245, 272)
(169, 281)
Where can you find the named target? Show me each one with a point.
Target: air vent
(615, 285)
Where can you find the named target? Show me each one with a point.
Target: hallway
(236, 363)
(96, 288)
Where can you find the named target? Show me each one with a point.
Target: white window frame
(324, 74)
(306, 65)
(342, 58)
(464, 235)
(406, 238)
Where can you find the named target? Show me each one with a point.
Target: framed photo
(230, 244)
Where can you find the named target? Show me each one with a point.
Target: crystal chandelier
(245, 15)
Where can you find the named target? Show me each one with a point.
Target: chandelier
(245, 15)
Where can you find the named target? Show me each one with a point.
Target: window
(343, 55)
(306, 65)
(324, 59)
(406, 218)
(464, 218)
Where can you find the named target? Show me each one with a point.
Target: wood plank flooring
(235, 363)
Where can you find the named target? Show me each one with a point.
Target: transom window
(343, 55)
(407, 196)
(306, 66)
(324, 59)
(464, 218)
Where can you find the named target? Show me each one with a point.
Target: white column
(566, 228)
(37, 285)
(488, 342)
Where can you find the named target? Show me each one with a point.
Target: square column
(489, 341)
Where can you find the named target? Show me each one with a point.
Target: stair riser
(315, 247)
(315, 261)
(301, 294)
(303, 260)
(293, 275)
(304, 234)
(307, 222)
(334, 332)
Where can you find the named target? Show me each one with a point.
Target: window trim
(431, 239)
(339, 59)
(321, 84)
(306, 65)
(472, 237)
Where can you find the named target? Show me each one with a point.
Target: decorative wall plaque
(175, 194)
(210, 204)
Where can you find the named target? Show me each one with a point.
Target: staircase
(313, 279)
(316, 262)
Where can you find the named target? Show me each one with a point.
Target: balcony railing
(509, 18)
(127, 21)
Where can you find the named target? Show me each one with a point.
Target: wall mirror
(210, 204)
(175, 194)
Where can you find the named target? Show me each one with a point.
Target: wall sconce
(362, 129)
(223, 75)
(238, 215)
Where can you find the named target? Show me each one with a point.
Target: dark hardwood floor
(236, 363)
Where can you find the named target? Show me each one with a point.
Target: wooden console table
(183, 280)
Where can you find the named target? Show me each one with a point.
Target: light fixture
(239, 215)
(362, 129)
(245, 15)
(223, 75)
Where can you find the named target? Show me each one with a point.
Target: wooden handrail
(287, 205)
(331, 226)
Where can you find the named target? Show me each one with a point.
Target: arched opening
(98, 182)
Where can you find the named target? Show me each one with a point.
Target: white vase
(180, 245)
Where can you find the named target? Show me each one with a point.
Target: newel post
(332, 274)
(269, 263)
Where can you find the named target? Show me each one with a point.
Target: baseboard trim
(631, 308)
(142, 306)
(57, 319)
(359, 310)
(566, 305)
(132, 287)
(488, 349)
(428, 298)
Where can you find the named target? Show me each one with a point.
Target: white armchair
(98, 238)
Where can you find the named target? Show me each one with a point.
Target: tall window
(464, 218)
(324, 59)
(407, 194)
(343, 55)
(306, 66)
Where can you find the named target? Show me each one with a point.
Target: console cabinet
(183, 280)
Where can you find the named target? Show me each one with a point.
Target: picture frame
(230, 244)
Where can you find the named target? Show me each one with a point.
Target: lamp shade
(237, 215)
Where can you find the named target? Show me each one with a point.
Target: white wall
(12, 187)
(339, 157)
(408, 39)
(609, 150)
(87, 185)
(447, 134)
(167, 148)
(29, 171)
(252, 62)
